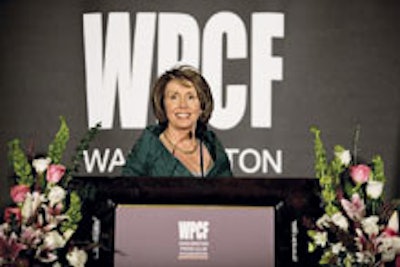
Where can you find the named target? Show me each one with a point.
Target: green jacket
(150, 158)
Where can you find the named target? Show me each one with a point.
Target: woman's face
(182, 105)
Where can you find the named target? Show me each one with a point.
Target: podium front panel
(194, 236)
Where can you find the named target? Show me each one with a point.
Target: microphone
(201, 158)
(200, 132)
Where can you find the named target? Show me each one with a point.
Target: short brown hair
(182, 73)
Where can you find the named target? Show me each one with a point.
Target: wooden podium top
(298, 193)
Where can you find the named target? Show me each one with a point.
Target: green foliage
(74, 215)
(379, 174)
(22, 168)
(326, 257)
(78, 155)
(337, 167)
(57, 147)
(82, 146)
(320, 154)
(328, 174)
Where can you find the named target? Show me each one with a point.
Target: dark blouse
(150, 158)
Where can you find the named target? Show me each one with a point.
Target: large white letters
(129, 72)
(232, 27)
(179, 41)
(264, 67)
(125, 70)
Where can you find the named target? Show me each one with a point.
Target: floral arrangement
(357, 228)
(39, 226)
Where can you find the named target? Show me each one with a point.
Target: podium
(187, 220)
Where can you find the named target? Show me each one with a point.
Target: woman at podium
(180, 145)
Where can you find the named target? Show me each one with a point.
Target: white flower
(77, 257)
(393, 223)
(31, 204)
(374, 189)
(365, 257)
(46, 256)
(370, 225)
(339, 220)
(4, 227)
(389, 247)
(56, 195)
(337, 248)
(53, 240)
(323, 221)
(321, 238)
(27, 208)
(359, 238)
(56, 264)
(344, 157)
(41, 164)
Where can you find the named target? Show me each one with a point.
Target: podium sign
(143, 221)
(194, 236)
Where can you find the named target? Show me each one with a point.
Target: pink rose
(55, 172)
(360, 173)
(18, 192)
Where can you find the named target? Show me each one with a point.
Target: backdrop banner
(276, 68)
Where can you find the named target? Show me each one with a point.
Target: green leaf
(311, 233)
(339, 149)
(336, 168)
(328, 195)
(348, 262)
(22, 168)
(379, 173)
(331, 209)
(74, 213)
(57, 147)
(326, 180)
(326, 257)
(311, 247)
(328, 174)
(321, 165)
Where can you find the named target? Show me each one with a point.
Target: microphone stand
(200, 133)
(201, 157)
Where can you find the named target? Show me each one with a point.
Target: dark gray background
(341, 64)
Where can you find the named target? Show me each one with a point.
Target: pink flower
(31, 236)
(55, 172)
(354, 209)
(360, 173)
(10, 247)
(56, 210)
(18, 193)
(12, 211)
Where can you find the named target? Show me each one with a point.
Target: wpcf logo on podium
(193, 241)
